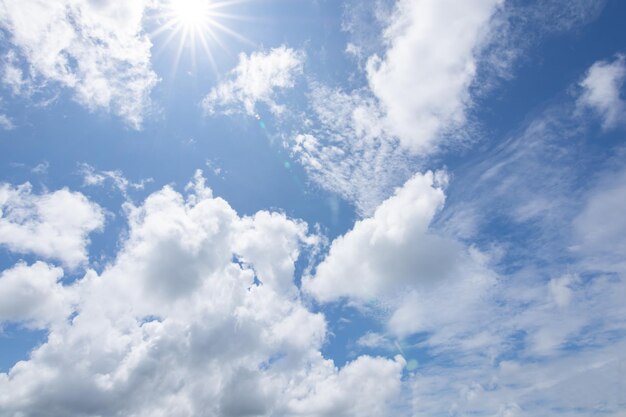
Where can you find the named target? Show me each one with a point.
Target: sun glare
(197, 23)
(191, 14)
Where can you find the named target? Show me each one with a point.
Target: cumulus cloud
(394, 258)
(256, 79)
(95, 48)
(53, 225)
(601, 91)
(33, 295)
(196, 316)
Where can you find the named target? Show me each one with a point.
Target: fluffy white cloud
(33, 295)
(395, 259)
(53, 225)
(177, 325)
(602, 91)
(256, 79)
(95, 48)
(423, 79)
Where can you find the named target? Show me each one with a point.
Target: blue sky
(312, 208)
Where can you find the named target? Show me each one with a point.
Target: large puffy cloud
(54, 225)
(602, 91)
(33, 295)
(394, 258)
(95, 48)
(195, 316)
(256, 79)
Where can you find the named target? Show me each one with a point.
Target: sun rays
(197, 25)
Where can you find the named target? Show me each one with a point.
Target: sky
(312, 208)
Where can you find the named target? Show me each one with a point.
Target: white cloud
(177, 326)
(385, 241)
(6, 123)
(53, 225)
(274, 265)
(94, 178)
(394, 259)
(517, 27)
(347, 151)
(374, 341)
(416, 96)
(575, 385)
(560, 289)
(602, 91)
(256, 79)
(95, 48)
(355, 391)
(423, 79)
(33, 295)
(600, 228)
(41, 168)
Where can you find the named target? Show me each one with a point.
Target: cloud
(601, 91)
(41, 168)
(394, 259)
(97, 49)
(600, 229)
(6, 123)
(520, 325)
(517, 27)
(346, 150)
(33, 295)
(553, 324)
(256, 79)
(375, 341)
(196, 316)
(431, 53)
(94, 178)
(53, 225)
(355, 142)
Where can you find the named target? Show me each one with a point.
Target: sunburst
(196, 23)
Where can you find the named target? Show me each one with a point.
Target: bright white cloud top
(54, 225)
(408, 208)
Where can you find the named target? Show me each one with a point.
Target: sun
(191, 14)
(196, 23)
